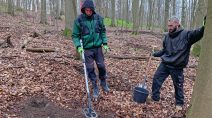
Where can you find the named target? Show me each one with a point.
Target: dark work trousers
(95, 55)
(160, 76)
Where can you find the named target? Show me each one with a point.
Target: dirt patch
(41, 107)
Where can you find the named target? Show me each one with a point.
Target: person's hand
(80, 50)
(106, 48)
(204, 21)
(153, 51)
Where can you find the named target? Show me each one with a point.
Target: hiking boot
(178, 108)
(104, 85)
(95, 90)
(149, 99)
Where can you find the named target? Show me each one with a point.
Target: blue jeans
(95, 55)
(177, 77)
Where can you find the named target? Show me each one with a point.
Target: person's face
(88, 11)
(172, 26)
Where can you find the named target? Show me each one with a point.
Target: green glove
(80, 50)
(106, 48)
(204, 21)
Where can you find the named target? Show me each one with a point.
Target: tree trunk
(43, 12)
(173, 7)
(11, 10)
(199, 15)
(33, 5)
(202, 95)
(159, 12)
(183, 14)
(56, 9)
(75, 9)
(29, 4)
(127, 12)
(149, 21)
(141, 9)
(38, 5)
(62, 8)
(113, 13)
(200, 12)
(135, 7)
(166, 16)
(18, 3)
(193, 9)
(69, 19)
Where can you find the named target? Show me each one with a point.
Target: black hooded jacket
(176, 47)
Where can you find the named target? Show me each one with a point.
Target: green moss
(119, 22)
(19, 9)
(196, 50)
(3, 7)
(67, 32)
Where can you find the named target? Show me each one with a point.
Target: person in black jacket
(175, 56)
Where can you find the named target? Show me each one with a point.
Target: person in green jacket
(89, 28)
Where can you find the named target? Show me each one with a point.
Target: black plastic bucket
(140, 94)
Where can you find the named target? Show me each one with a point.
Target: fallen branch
(40, 50)
(143, 57)
(9, 57)
(35, 34)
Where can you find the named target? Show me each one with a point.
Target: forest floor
(51, 84)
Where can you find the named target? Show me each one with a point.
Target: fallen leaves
(59, 77)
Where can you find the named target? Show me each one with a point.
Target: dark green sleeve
(103, 32)
(76, 34)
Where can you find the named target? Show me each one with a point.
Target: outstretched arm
(161, 52)
(195, 35)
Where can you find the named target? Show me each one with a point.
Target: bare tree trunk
(199, 15)
(57, 11)
(113, 13)
(201, 97)
(75, 9)
(18, 3)
(192, 23)
(141, 9)
(149, 21)
(200, 12)
(127, 12)
(33, 5)
(166, 16)
(159, 18)
(38, 5)
(62, 8)
(70, 14)
(135, 5)
(183, 15)
(174, 7)
(11, 10)
(43, 12)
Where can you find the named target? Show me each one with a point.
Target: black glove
(204, 21)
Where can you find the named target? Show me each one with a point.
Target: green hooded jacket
(90, 29)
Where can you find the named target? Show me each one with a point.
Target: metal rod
(86, 80)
